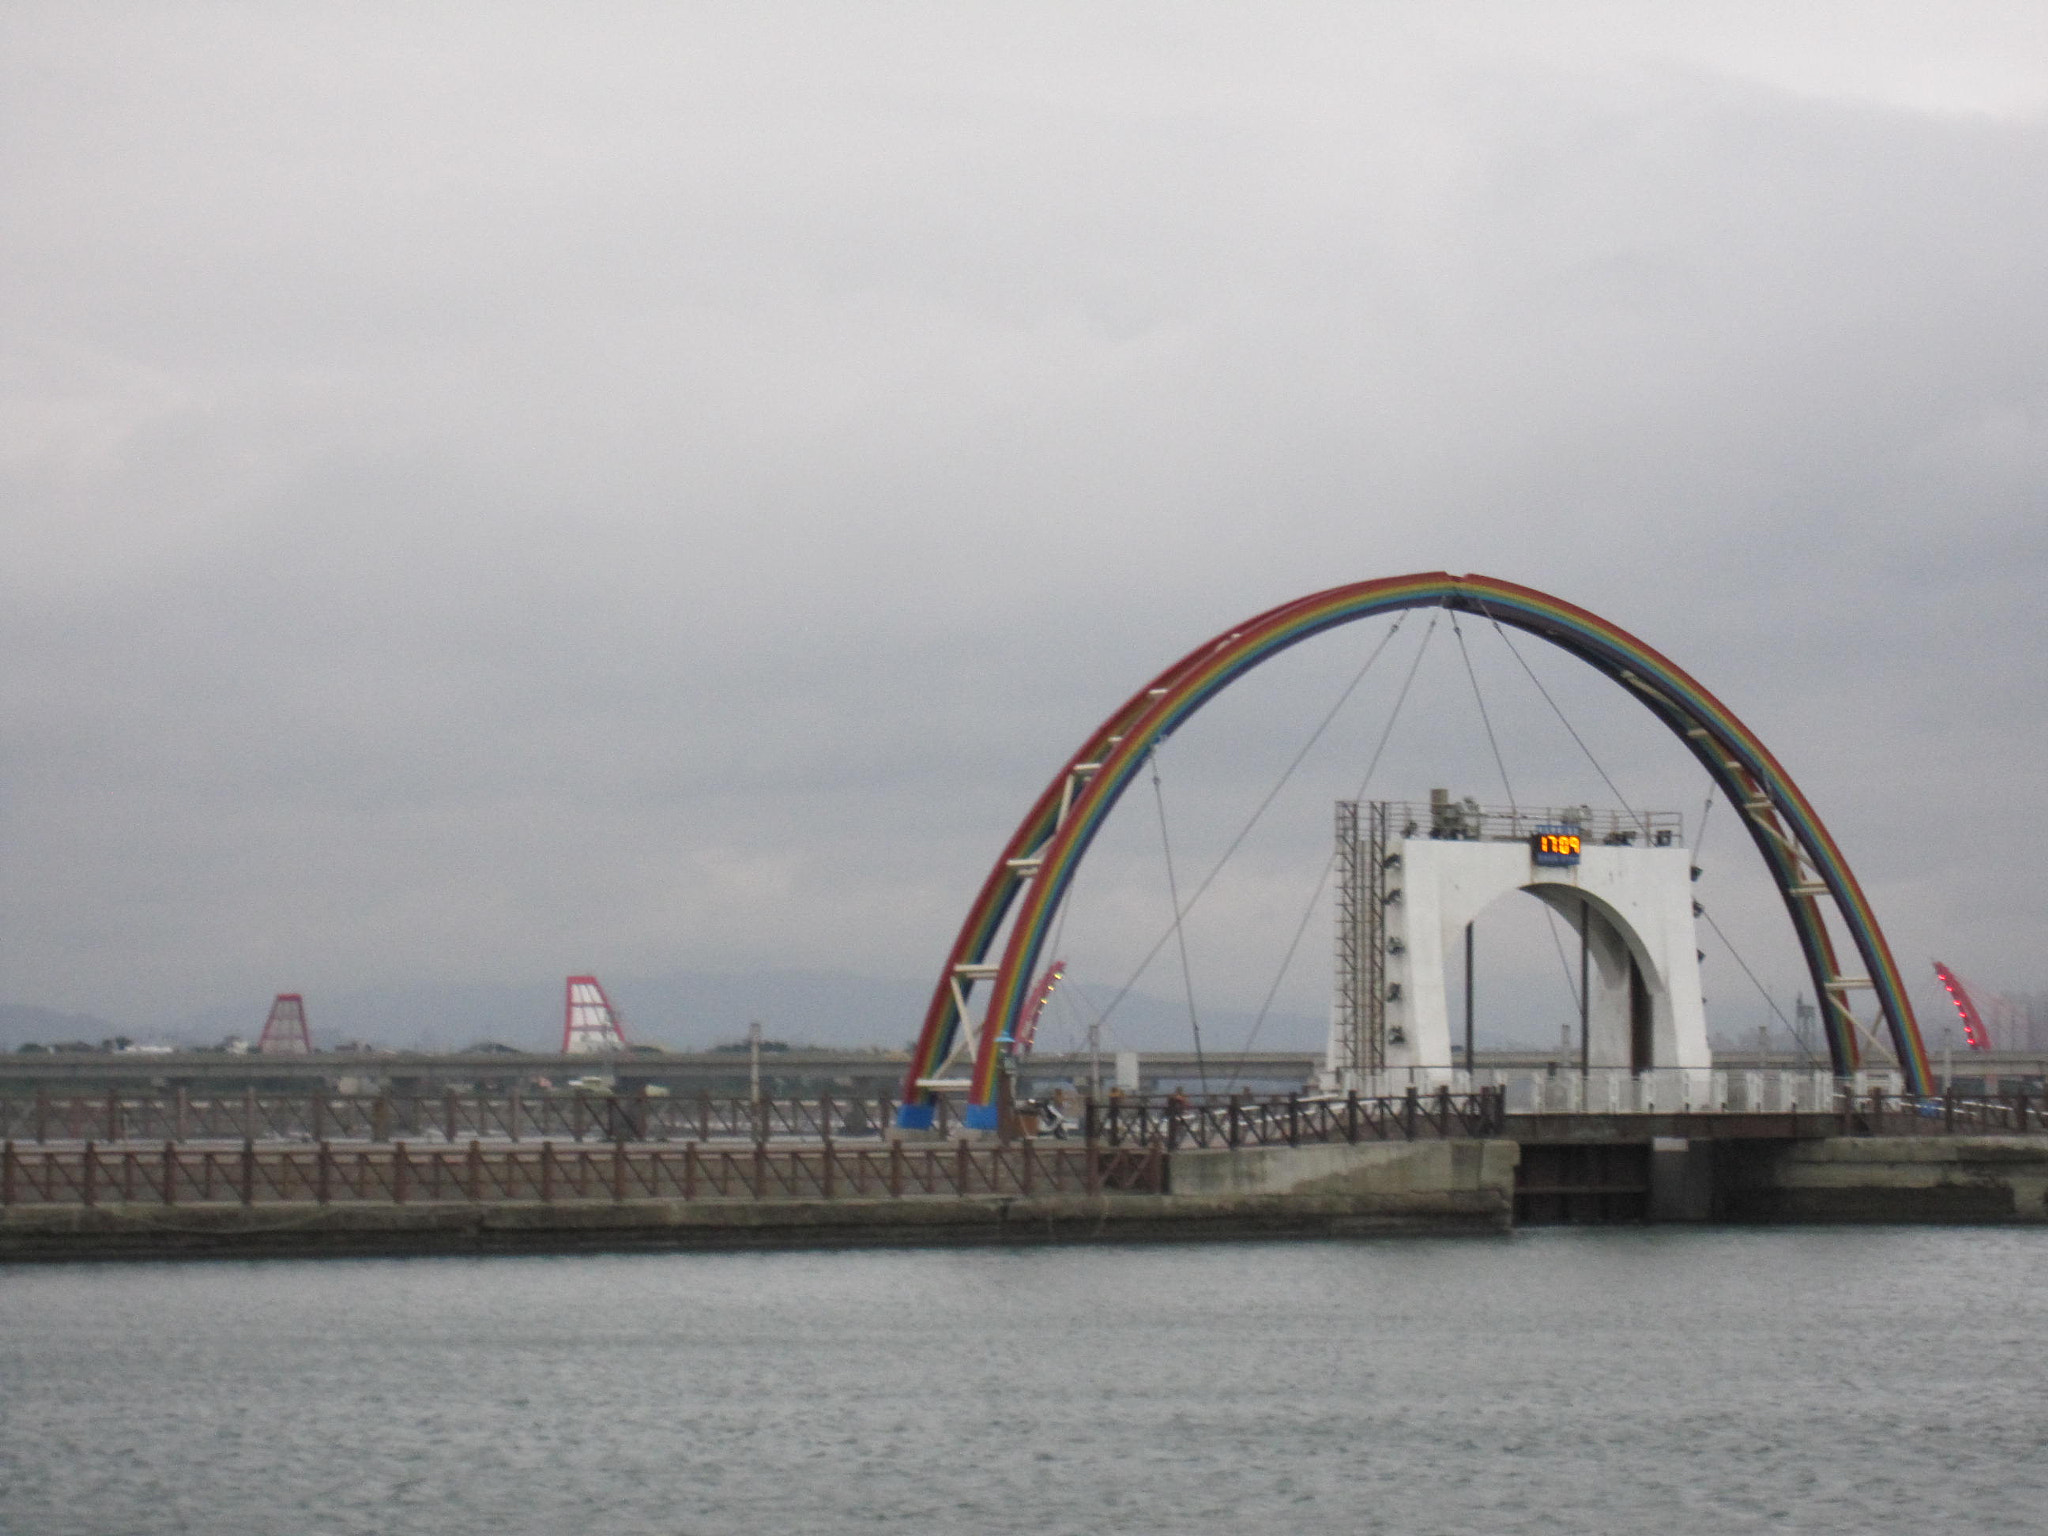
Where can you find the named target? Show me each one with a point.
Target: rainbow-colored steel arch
(1040, 859)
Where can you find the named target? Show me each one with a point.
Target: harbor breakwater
(613, 1200)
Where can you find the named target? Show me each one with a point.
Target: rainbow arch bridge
(1004, 933)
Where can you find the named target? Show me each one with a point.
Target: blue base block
(914, 1117)
(981, 1117)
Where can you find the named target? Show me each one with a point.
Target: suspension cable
(1790, 1029)
(1279, 976)
(1399, 699)
(1271, 795)
(1180, 933)
(1570, 983)
(1484, 719)
(1564, 720)
(1299, 757)
(1330, 864)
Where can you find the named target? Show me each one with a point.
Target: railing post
(512, 1115)
(963, 1166)
(248, 1170)
(547, 1172)
(1236, 1120)
(689, 1170)
(1091, 1175)
(825, 1181)
(7, 1172)
(401, 1174)
(1293, 1119)
(323, 1173)
(760, 1171)
(170, 1189)
(895, 1169)
(248, 1114)
(475, 1168)
(87, 1192)
(618, 1172)
(1411, 1103)
(1948, 1110)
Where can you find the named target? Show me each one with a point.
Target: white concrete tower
(1415, 876)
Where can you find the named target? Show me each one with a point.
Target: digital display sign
(1555, 845)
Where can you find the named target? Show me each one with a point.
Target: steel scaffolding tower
(1361, 938)
(590, 1024)
(285, 1032)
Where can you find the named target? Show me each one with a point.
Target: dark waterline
(1626, 1381)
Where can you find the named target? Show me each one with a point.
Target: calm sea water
(1638, 1381)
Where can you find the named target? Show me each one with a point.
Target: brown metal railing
(451, 1117)
(1176, 1120)
(1173, 1120)
(174, 1175)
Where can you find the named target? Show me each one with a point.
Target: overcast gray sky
(493, 491)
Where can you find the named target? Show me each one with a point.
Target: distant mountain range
(20, 1022)
(690, 1010)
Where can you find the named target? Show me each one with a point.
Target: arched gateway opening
(1003, 936)
(1413, 881)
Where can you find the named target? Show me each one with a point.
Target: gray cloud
(499, 492)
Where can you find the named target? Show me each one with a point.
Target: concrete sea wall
(1880, 1179)
(1327, 1190)
(1315, 1191)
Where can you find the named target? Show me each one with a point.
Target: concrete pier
(1880, 1179)
(1473, 1185)
(1379, 1186)
(1313, 1191)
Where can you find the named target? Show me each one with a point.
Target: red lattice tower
(285, 1032)
(1027, 1027)
(590, 1024)
(1974, 1030)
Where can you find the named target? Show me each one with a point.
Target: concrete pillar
(1681, 1179)
(1635, 905)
